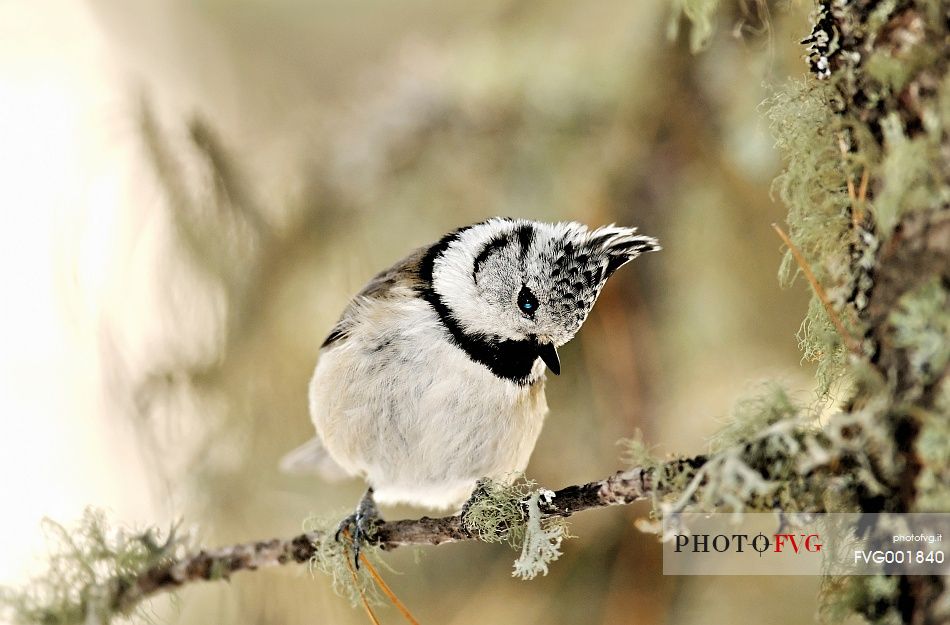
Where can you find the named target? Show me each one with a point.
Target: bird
(433, 378)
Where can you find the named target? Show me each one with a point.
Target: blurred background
(192, 190)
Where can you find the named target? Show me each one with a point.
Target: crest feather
(621, 245)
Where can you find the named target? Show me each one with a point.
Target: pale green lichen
(752, 415)
(542, 540)
(933, 481)
(896, 72)
(636, 452)
(776, 455)
(334, 558)
(942, 108)
(820, 343)
(857, 436)
(497, 514)
(724, 483)
(87, 566)
(921, 324)
(888, 70)
(762, 458)
(873, 596)
(669, 480)
(908, 183)
(812, 187)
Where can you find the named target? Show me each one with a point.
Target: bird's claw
(360, 527)
(480, 491)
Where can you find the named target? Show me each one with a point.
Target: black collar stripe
(506, 359)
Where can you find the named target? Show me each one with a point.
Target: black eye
(527, 302)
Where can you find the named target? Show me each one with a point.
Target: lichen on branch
(90, 566)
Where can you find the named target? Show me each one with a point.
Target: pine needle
(857, 211)
(349, 565)
(387, 590)
(849, 340)
(380, 583)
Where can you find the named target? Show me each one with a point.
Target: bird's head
(523, 281)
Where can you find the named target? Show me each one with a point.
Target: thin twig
(622, 488)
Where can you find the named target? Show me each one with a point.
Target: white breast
(397, 403)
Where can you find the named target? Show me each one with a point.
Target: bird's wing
(399, 277)
(396, 281)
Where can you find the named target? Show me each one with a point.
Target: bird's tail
(312, 458)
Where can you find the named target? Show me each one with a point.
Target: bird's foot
(480, 492)
(360, 527)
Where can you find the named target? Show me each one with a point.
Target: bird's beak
(548, 354)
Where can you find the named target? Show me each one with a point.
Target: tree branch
(622, 488)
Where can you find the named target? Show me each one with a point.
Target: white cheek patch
(479, 274)
(477, 309)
